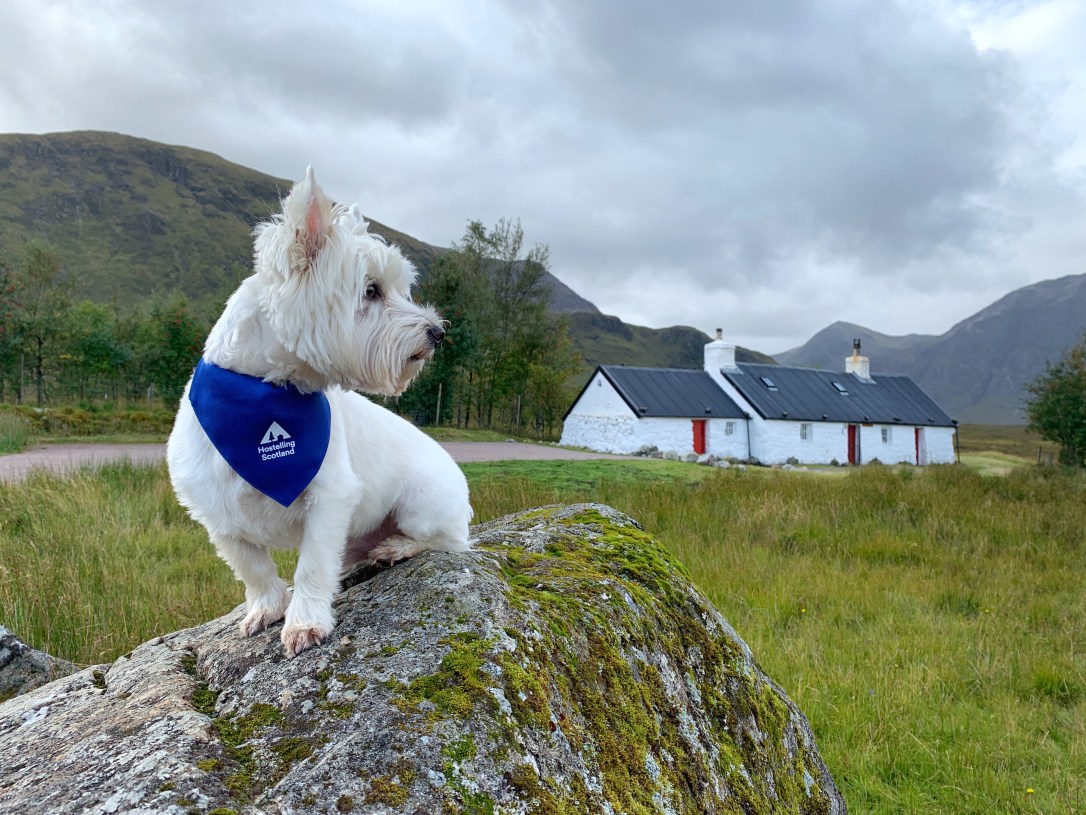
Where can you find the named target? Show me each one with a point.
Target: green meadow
(930, 623)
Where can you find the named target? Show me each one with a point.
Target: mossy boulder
(567, 665)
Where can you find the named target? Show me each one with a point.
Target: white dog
(271, 449)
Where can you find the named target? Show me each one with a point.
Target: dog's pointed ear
(308, 211)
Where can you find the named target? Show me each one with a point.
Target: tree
(547, 385)
(41, 299)
(438, 395)
(167, 339)
(515, 326)
(96, 353)
(10, 340)
(1057, 404)
(507, 357)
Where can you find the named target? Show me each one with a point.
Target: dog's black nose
(436, 334)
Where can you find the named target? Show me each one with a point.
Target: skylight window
(768, 383)
(841, 389)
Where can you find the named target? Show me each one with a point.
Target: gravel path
(63, 458)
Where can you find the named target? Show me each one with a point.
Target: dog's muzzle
(434, 335)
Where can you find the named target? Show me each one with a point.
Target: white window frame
(806, 431)
(887, 436)
(729, 428)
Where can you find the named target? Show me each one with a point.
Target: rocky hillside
(976, 371)
(566, 665)
(606, 340)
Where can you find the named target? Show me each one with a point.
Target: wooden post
(437, 413)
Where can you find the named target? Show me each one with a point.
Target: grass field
(1011, 441)
(930, 623)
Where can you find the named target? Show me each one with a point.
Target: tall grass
(94, 564)
(930, 623)
(15, 432)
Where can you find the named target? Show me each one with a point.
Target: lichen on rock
(566, 665)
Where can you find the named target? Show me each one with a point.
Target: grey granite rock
(567, 665)
(23, 668)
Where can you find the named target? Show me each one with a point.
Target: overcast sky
(768, 167)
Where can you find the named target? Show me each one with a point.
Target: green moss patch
(459, 683)
(392, 789)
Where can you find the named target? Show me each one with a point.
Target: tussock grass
(930, 623)
(15, 432)
(94, 564)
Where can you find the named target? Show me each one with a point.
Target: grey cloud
(865, 134)
(789, 147)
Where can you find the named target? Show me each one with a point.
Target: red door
(917, 445)
(699, 436)
(853, 447)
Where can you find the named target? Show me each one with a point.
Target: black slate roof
(811, 395)
(668, 392)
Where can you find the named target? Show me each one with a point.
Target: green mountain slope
(129, 217)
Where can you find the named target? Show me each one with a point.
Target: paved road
(68, 457)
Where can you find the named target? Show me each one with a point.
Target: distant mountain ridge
(977, 371)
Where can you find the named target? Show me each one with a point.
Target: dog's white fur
(328, 308)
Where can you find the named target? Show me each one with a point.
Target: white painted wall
(721, 444)
(774, 442)
(900, 446)
(601, 399)
(600, 420)
(626, 434)
(937, 445)
(667, 434)
(607, 434)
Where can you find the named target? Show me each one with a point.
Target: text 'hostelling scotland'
(269, 451)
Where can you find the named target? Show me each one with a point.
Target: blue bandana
(273, 436)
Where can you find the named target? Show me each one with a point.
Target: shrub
(76, 421)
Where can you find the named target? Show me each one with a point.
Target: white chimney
(858, 365)
(719, 354)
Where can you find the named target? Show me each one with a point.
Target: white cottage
(770, 413)
(623, 409)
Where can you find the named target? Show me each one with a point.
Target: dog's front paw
(265, 610)
(258, 619)
(297, 638)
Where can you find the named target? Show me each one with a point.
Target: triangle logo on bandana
(231, 406)
(275, 433)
